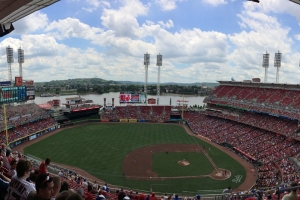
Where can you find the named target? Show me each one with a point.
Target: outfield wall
(32, 136)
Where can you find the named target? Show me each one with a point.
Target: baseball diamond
(132, 155)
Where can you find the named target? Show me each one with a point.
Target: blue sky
(200, 40)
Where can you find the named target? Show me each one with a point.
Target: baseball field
(158, 157)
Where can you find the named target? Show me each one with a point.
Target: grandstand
(259, 122)
(24, 122)
(138, 112)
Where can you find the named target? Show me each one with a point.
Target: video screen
(132, 98)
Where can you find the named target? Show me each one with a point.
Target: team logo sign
(237, 179)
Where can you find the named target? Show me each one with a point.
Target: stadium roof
(13, 10)
(261, 84)
(296, 1)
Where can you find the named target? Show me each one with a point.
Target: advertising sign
(135, 98)
(143, 99)
(151, 101)
(132, 98)
(5, 83)
(18, 81)
(29, 82)
(30, 93)
(9, 95)
(32, 137)
(22, 94)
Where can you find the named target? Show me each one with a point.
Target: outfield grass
(100, 149)
(166, 165)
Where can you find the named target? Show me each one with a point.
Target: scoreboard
(133, 98)
(13, 94)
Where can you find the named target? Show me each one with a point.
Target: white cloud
(123, 21)
(215, 2)
(277, 6)
(190, 55)
(33, 22)
(94, 4)
(168, 24)
(261, 32)
(71, 27)
(166, 4)
(297, 37)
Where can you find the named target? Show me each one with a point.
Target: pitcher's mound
(183, 162)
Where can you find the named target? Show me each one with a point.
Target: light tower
(20, 60)
(10, 59)
(277, 64)
(146, 63)
(159, 64)
(265, 65)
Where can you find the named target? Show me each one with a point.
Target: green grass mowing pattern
(100, 149)
(166, 165)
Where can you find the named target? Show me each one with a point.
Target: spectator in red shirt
(152, 197)
(7, 159)
(142, 197)
(88, 195)
(43, 166)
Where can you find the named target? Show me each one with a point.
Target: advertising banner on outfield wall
(141, 120)
(132, 120)
(32, 137)
(123, 120)
(114, 120)
(104, 120)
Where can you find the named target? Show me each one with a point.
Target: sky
(200, 40)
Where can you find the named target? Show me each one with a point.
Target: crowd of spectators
(21, 114)
(256, 144)
(271, 123)
(139, 112)
(282, 102)
(26, 129)
(23, 120)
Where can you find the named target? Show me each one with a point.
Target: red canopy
(45, 106)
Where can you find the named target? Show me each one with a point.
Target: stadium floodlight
(277, 64)
(10, 59)
(20, 60)
(265, 65)
(296, 1)
(159, 64)
(146, 63)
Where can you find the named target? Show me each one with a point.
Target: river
(99, 99)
